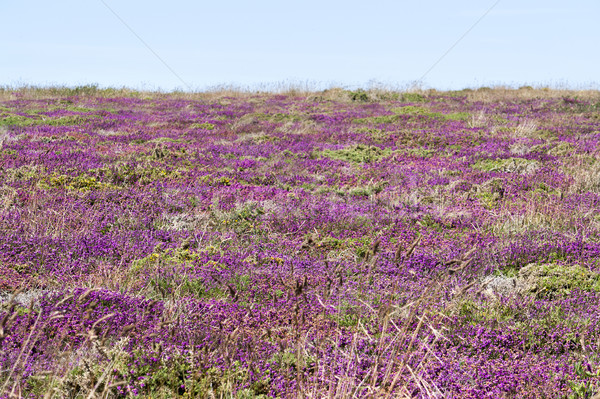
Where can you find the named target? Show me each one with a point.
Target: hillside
(327, 244)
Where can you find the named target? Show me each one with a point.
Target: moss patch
(16, 120)
(377, 120)
(552, 280)
(416, 110)
(358, 154)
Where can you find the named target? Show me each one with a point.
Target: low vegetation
(343, 243)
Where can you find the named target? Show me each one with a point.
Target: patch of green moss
(501, 121)
(83, 90)
(68, 106)
(67, 120)
(358, 154)
(412, 110)
(20, 120)
(17, 120)
(144, 263)
(180, 284)
(204, 126)
(75, 108)
(413, 98)
(552, 280)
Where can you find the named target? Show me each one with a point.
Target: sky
(200, 45)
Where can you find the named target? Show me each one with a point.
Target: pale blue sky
(316, 42)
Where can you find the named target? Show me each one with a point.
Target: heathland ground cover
(332, 244)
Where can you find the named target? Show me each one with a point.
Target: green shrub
(413, 98)
(411, 110)
(68, 120)
(359, 95)
(457, 116)
(418, 110)
(17, 120)
(552, 280)
(85, 90)
(161, 377)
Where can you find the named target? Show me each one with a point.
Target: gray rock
(495, 287)
(24, 298)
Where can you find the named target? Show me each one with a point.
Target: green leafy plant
(413, 97)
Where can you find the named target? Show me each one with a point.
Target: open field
(331, 244)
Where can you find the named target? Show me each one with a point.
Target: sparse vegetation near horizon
(283, 243)
(377, 92)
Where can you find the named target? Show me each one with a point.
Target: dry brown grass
(307, 90)
(500, 93)
(585, 171)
